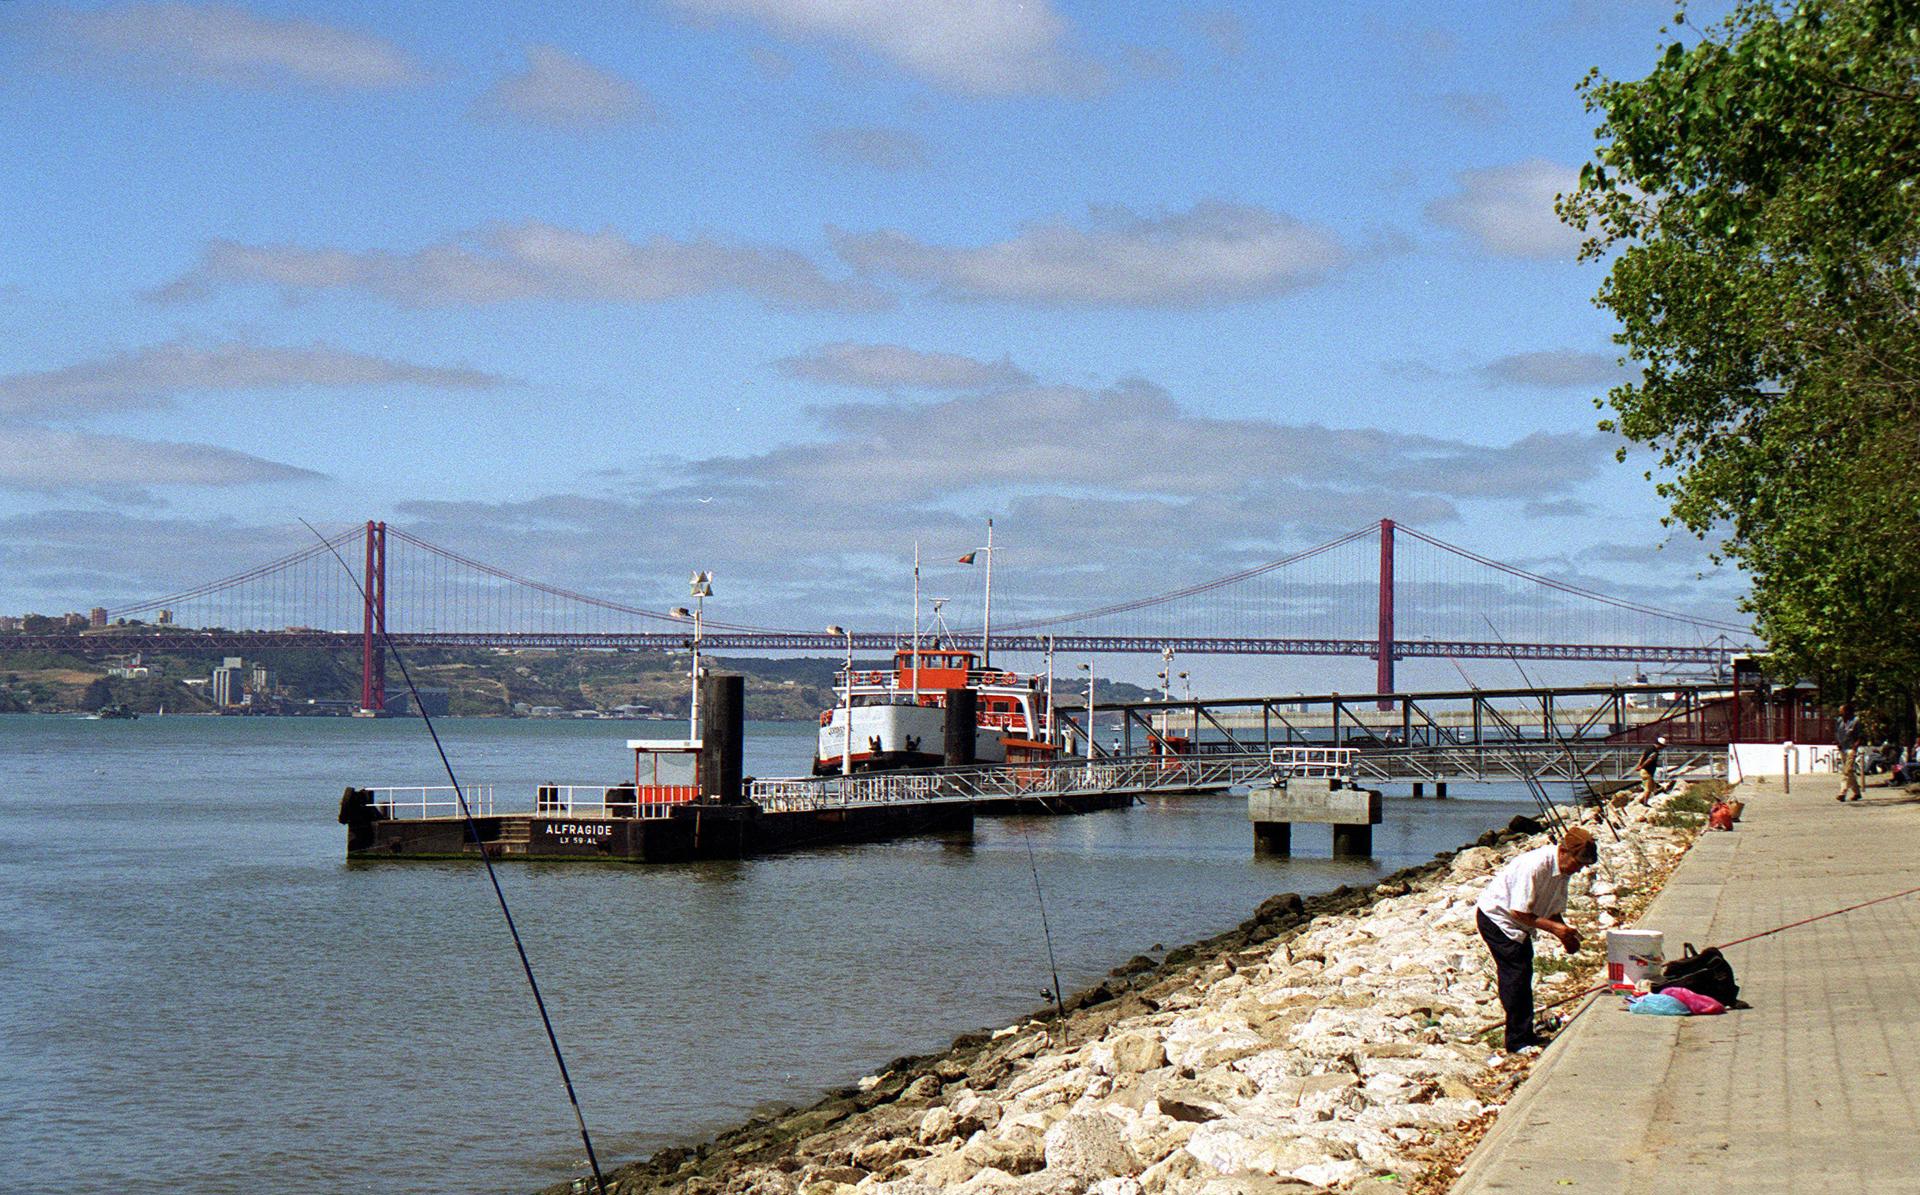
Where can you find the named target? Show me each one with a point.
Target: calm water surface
(198, 993)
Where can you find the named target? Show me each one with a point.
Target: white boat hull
(897, 736)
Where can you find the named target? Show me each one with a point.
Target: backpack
(1706, 972)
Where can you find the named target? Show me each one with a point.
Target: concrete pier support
(1352, 812)
(1273, 838)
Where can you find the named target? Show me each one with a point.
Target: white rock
(1330, 1174)
(1091, 1146)
(939, 1124)
(1264, 1144)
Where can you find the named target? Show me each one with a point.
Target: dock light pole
(1088, 669)
(846, 747)
(700, 587)
(1194, 742)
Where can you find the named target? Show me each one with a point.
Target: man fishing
(1529, 894)
(1649, 769)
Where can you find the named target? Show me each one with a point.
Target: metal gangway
(1576, 764)
(996, 782)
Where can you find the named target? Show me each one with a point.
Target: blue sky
(603, 293)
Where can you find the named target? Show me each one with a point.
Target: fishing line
(1573, 762)
(473, 830)
(1553, 728)
(1534, 789)
(1059, 1001)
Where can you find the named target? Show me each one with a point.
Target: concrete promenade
(1814, 1088)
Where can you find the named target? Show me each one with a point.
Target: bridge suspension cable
(253, 574)
(565, 594)
(1192, 590)
(1576, 590)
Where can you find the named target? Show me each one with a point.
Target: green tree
(1758, 195)
(99, 694)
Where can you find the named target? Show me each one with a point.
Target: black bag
(1707, 972)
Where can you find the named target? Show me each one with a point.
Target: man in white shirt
(1530, 894)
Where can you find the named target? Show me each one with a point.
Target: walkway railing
(417, 801)
(1058, 778)
(1329, 762)
(600, 800)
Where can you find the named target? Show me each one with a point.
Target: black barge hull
(696, 831)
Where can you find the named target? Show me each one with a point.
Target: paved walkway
(1814, 1088)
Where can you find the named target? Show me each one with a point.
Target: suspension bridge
(1383, 591)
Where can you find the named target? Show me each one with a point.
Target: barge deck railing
(416, 802)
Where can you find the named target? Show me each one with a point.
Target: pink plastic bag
(1698, 1005)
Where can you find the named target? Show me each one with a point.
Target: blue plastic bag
(1658, 1005)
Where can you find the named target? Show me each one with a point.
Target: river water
(199, 995)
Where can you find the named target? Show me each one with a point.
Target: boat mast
(916, 622)
(986, 629)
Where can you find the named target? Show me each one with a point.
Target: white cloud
(975, 47)
(1100, 494)
(1475, 107)
(894, 367)
(1094, 489)
(1508, 210)
(151, 377)
(67, 559)
(45, 460)
(1553, 367)
(894, 150)
(222, 44)
(1134, 438)
(535, 260)
(1212, 254)
(565, 91)
(1223, 28)
(1559, 508)
(1156, 63)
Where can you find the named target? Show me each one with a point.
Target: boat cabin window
(937, 659)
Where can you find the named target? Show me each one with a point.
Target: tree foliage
(1758, 195)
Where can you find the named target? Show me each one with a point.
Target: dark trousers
(1513, 967)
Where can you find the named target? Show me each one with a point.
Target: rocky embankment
(1323, 1044)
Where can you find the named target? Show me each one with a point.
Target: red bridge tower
(373, 653)
(1383, 652)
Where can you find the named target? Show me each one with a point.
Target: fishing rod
(1046, 930)
(473, 831)
(1553, 729)
(1534, 788)
(1573, 763)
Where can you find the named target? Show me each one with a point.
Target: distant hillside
(481, 682)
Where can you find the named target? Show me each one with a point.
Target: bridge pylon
(373, 654)
(1383, 653)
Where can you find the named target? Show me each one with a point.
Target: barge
(687, 800)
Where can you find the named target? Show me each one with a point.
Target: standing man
(1530, 894)
(1848, 737)
(1648, 767)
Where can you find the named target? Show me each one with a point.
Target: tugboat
(121, 711)
(895, 719)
